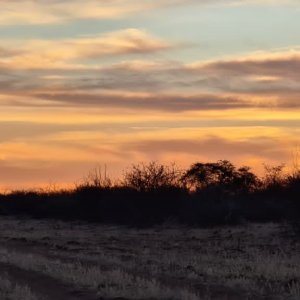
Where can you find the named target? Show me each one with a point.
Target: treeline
(206, 194)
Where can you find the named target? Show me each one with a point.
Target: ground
(54, 260)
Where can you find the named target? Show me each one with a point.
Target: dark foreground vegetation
(71, 260)
(206, 194)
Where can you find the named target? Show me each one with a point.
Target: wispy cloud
(55, 77)
(260, 146)
(43, 54)
(54, 11)
(162, 102)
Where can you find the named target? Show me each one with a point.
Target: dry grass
(246, 262)
(108, 283)
(13, 291)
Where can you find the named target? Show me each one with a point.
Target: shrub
(152, 177)
(222, 176)
(205, 194)
(96, 178)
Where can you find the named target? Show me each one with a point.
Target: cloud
(43, 54)
(148, 102)
(54, 11)
(259, 80)
(260, 66)
(8, 52)
(220, 148)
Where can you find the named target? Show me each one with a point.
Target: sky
(96, 83)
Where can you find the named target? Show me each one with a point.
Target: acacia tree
(202, 175)
(152, 176)
(221, 174)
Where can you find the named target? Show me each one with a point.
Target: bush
(221, 177)
(206, 194)
(152, 177)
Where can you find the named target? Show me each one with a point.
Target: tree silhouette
(222, 174)
(152, 176)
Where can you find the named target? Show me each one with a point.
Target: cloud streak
(43, 54)
(56, 11)
(260, 146)
(171, 103)
(269, 80)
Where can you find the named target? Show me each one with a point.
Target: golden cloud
(53, 11)
(43, 54)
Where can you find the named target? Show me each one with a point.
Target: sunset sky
(94, 82)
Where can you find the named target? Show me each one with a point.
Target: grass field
(57, 260)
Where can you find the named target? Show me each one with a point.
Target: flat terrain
(53, 260)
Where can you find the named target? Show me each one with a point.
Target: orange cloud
(66, 120)
(46, 12)
(54, 78)
(43, 54)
